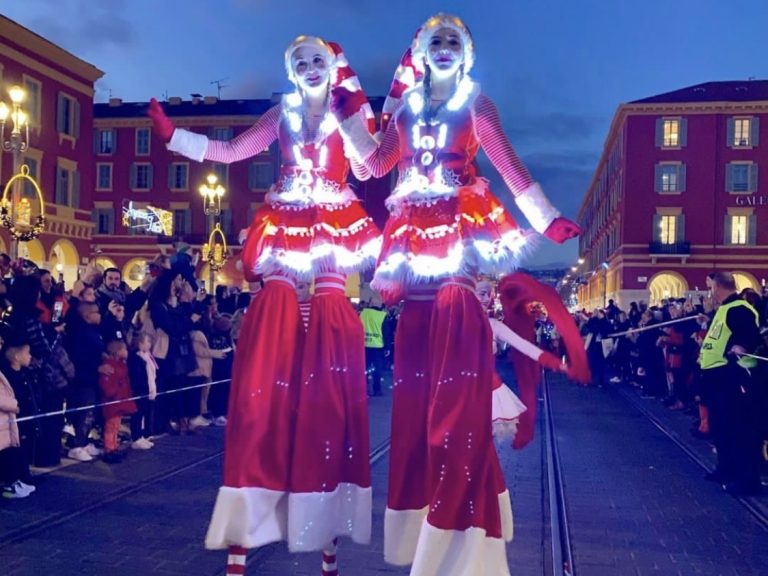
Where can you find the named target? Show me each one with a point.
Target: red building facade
(677, 194)
(59, 102)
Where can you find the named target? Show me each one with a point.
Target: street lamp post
(17, 144)
(212, 193)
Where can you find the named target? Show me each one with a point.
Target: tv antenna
(219, 86)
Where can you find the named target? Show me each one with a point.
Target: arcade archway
(667, 284)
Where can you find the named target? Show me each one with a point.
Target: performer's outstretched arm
(199, 147)
(505, 334)
(530, 198)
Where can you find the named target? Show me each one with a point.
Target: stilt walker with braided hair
(448, 513)
(296, 455)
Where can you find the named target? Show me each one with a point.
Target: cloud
(85, 27)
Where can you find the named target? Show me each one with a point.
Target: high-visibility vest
(372, 322)
(713, 350)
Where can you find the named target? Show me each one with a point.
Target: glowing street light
(212, 193)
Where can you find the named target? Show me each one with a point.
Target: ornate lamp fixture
(215, 250)
(212, 193)
(19, 221)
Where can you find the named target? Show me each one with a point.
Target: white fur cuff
(189, 144)
(536, 208)
(358, 142)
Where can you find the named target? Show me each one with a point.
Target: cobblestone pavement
(637, 505)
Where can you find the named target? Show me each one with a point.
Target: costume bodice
(441, 149)
(310, 169)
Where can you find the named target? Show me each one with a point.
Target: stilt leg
(329, 560)
(236, 560)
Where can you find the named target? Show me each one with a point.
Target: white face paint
(445, 52)
(484, 292)
(311, 69)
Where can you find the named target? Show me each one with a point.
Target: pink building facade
(59, 101)
(678, 193)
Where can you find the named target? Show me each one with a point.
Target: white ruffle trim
(189, 144)
(499, 256)
(247, 517)
(316, 518)
(410, 539)
(401, 534)
(321, 258)
(459, 553)
(505, 410)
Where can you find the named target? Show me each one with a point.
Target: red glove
(161, 124)
(551, 362)
(562, 229)
(345, 104)
(525, 429)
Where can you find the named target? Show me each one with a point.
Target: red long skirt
(330, 477)
(408, 496)
(251, 506)
(468, 514)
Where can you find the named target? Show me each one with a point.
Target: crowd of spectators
(663, 361)
(146, 358)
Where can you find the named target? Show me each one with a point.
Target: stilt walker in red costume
(296, 460)
(451, 517)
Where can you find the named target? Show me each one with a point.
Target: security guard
(372, 317)
(728, 383)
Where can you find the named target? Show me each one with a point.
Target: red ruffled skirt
(428, 240)
(305, 240)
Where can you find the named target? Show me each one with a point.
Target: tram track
(556, 504)
(760, 513)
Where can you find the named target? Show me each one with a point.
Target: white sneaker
(148, 441)
(93, 451)
(615, 380)
(141, 444)
(69, 429)
(80, 454)
(28, 488)
(15, 491)
(220, 421)
(199, 421)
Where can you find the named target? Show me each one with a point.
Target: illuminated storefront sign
(148, 220)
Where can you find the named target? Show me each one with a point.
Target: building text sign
(751, 200)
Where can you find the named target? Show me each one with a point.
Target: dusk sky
(557, 69)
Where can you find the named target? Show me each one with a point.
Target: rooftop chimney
(174, 101)
(115, 101)
(210, 100)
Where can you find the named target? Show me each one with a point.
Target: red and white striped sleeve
(250, 143)
(377, 159)
(496, 145)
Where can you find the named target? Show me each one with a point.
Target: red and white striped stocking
(236, 560)
(329, 560)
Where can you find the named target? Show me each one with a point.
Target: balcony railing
(682, 248)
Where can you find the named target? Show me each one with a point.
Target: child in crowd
(85, 346)
(142, 372)
(16, 440)
(115, 386)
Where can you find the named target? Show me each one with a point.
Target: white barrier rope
(651, 327)
(99, 405)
